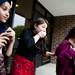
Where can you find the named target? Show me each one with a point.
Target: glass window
(40, 9)
(18, 24)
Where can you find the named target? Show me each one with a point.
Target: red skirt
(22, 66)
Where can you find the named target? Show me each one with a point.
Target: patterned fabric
(22, 66)
(2, 67)
(2, 63)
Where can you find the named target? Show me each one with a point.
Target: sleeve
(70, 53)
(28, 39)
(63, 53)
(64, 50)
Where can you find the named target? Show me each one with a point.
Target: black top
(27, 47)
(3, 28)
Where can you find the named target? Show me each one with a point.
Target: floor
(48, 69)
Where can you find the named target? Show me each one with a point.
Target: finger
(5, 38)
(9, 29)
(2, 44)
(4, 34)
(11, 34)
(4, 41)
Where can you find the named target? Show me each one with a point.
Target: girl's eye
(5, 9)
(43, 27)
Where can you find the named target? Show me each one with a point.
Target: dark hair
(41, 44)
(2, 1)
(9, 1)
(37, 22)
(71, 33)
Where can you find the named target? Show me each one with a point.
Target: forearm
(10, 49)
(11, 41)
(50, 53)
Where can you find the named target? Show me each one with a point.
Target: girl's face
(41, 27)
(4, 12)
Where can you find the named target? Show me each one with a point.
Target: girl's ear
(35, 26)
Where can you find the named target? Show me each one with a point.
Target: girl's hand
(42, 34)
(3, 39)
(11, 34)
(73, 48)
(50, 53)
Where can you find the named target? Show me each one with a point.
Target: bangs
(40, 21)
(9, 1)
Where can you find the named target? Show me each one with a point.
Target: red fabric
(22, 66)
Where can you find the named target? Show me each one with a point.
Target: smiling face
(41, 27)
(4, 11)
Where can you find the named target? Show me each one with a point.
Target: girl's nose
(44, 30)
(7, 14)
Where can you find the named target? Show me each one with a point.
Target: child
(65, 53)
(23, 63)
(7, 35)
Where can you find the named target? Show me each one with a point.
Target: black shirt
(27, 47)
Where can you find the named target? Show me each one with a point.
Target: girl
(65, 53)
(7, 35)
(23, 63)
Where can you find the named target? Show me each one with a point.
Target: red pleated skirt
(22, 66)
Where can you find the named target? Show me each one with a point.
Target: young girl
(65, 53)
(7, 35)
(23, 63)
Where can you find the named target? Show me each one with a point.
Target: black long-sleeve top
(27, 47)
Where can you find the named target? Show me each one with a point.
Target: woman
(23, 63)
(7, 35)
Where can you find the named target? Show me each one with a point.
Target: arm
(39, 35)
(32, 40)
(3, 39)
(65, 51)
(50, 53)
(11, 35)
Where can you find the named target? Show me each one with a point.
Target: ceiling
(59, 7)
